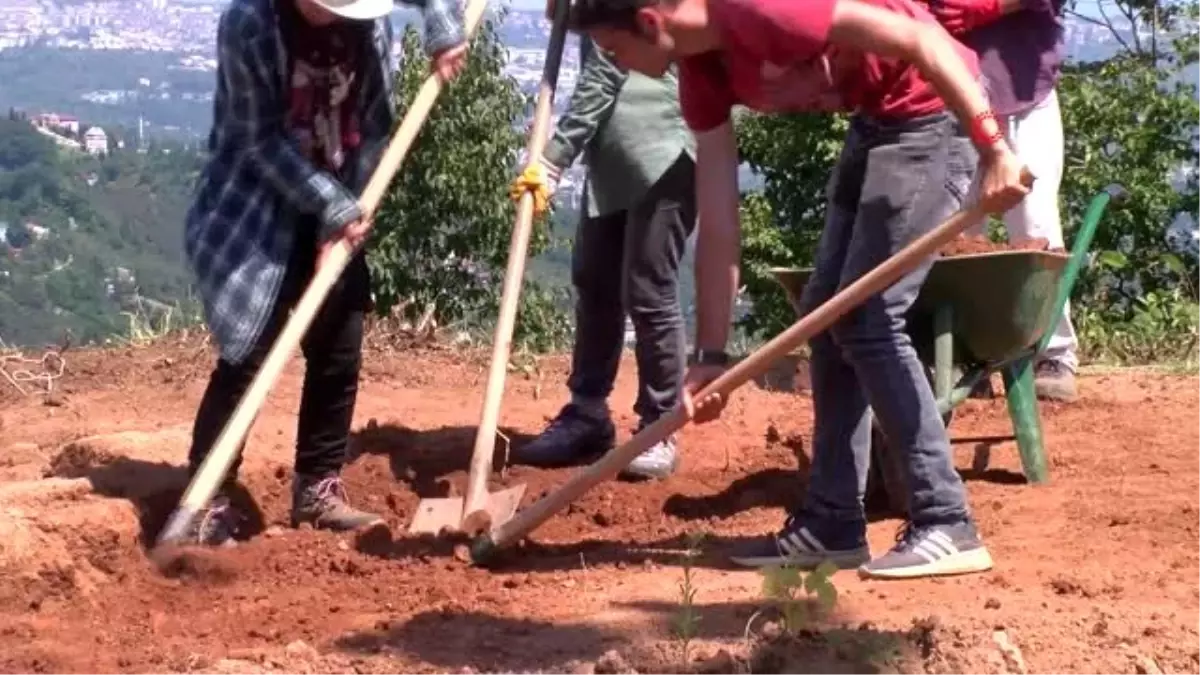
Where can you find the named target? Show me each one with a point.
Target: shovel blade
(436, 514)
(500, 508)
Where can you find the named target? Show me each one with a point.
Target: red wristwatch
(985, 130)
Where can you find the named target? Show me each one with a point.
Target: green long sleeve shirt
(627, 126)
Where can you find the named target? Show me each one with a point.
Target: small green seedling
(793, 593)
(686, 621)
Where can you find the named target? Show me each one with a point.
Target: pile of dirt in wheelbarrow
(85, 482)
(969, 245)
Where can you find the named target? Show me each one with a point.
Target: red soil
(965, 245)
(1095, 571)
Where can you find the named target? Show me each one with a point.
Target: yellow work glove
(541, 180)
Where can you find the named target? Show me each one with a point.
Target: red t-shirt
(776, 58)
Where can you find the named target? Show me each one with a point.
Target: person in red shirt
(920, 128)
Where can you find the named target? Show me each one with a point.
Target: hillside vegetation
(88, 239)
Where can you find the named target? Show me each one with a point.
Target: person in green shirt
(639, 209)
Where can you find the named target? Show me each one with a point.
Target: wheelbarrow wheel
(887, 483)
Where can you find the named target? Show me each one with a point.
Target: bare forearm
(718, 239)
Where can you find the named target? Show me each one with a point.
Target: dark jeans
(644, 247)
(893, 182)
(332, 351)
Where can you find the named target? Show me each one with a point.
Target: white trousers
(1037, 137)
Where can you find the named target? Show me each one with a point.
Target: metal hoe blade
(439, 514)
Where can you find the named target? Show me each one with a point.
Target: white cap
(362, 10)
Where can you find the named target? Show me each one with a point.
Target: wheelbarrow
(978, 314)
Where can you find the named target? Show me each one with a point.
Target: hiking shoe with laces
(656, 463)
(322, 502)
(933, 550)
(1053, 381)
(805, 543)
(572, 437)
(216, 525)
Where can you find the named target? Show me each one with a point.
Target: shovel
(819, 319)
(216, 465)
(476, 511)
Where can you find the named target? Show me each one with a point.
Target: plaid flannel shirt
(257, 184)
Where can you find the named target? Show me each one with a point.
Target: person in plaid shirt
(302, 112)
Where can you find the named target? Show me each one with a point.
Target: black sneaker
(934, 550)
(571, 438)
(216, 525)
(806, 543)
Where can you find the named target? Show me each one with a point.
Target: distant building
(57, 121)
(37, 231)
(95, 141)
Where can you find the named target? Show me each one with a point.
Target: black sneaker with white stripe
(933, 550)
(805, 543)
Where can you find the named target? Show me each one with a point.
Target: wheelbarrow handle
(812, 323)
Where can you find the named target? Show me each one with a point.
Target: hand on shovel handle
(1005, 182)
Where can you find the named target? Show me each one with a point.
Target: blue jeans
(894, 181)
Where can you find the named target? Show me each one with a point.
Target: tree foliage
(794, 154)
(440, 240)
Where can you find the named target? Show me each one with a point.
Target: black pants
(627, 263)
(332, 351)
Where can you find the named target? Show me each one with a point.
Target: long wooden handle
(475, 515)
(819, 319)
(216, 464)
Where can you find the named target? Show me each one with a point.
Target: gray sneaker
(1053, 381)
(935, 550)
(216, 525)
(322, 502)
(805, 543)
(656, 463)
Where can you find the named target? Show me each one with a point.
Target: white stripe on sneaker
(942, 548)
(933, 550)
(800, 543)
(942, 538)
(813, 543)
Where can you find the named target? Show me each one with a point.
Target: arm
(443, 21)
(254, 122)
(964, 16)
(718, 238)
(591, 105)
(927, 46)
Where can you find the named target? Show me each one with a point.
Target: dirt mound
(967, 245)
(22, 461)
(128, 464)
(58, 540)
(79, 528)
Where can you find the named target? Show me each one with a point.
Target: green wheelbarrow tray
(977, 314)
(1002, 301)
